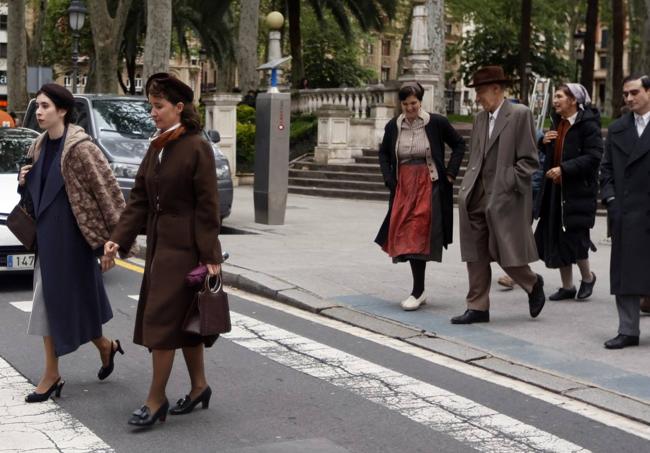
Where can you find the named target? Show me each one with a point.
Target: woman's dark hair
(567, 91)
(61, 98)
(411, 89)
(189, 116)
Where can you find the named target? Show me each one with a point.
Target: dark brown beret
(171, 86)
(60, 96)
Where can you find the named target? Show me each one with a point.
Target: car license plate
(20, 261)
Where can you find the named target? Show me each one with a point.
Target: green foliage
(495, 38)
(302, 137)
(245, 138)
(57, 37)
(330, 59)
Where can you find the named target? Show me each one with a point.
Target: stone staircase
(359, 180)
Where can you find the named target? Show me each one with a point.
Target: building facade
(3, 56)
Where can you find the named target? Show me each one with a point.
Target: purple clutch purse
(196, 276)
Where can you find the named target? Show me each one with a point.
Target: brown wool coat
(506, 163)
(94, 194)
(177, 201)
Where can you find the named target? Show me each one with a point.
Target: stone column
(221, 115)
(333, 135)
(437, 46)
(381, 114)
(419, 59)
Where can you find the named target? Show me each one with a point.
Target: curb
(285, 292)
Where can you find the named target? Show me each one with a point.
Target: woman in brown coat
(175, 196)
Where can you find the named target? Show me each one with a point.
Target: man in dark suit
(625, 190)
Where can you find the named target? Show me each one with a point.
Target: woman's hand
(213, 269)
(23, 173)
(110, 249)
(550, 135)
(555, 174)
(107, 263)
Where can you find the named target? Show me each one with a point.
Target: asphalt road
(289, 381)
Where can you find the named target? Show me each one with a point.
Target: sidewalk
(324, 260)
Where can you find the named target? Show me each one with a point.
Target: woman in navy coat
(76, 202)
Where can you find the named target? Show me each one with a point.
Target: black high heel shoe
(187, 405)
(40, 397)
(105, 371)
(143, 416)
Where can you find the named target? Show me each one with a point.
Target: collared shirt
(493, 118)
(412, 141)
(572, 118)
(158, 133)
(641, 122)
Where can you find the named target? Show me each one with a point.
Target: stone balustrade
(360, 101)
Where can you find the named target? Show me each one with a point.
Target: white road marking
(39, 427)
(25, 305)
(583, 409)
(480, 427)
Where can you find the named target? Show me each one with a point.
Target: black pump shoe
(40, 397)
(187, 405)
(105, 371)
(144, 417)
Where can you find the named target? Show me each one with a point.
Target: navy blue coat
(75, 298)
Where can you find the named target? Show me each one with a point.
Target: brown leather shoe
(645, 304)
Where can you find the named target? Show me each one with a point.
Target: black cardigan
(439, 131)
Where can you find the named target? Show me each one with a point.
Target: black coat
(75, 298)
(625, 175)
(581, 154)
(439, 131)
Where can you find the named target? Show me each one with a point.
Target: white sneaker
(411, 303)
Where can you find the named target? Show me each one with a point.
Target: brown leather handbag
(23, 226)
(209, 313)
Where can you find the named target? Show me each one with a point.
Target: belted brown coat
(176, 198)
(505, 163)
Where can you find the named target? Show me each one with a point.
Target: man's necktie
(640, 125)
(491, 125)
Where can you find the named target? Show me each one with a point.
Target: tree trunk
(589, 58)
(524, 47)
(16, 56)
(618, 43)
(159, 36)
(247, 45)
(436, 25)
(295, 41)
(639, 14)
(227, 72)
(107, 33)
(35, 44)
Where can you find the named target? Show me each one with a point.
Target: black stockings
(417, 268)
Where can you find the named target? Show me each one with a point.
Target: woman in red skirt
(419, 222)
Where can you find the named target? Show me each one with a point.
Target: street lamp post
(527, 73)
(578, 50)
(77, 15)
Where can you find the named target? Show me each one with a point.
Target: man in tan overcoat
(495, 199)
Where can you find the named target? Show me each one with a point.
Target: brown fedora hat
(487, 75)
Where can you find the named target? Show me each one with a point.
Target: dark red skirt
(409, 231)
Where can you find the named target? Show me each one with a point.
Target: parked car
(121, 127)
(14, 143)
